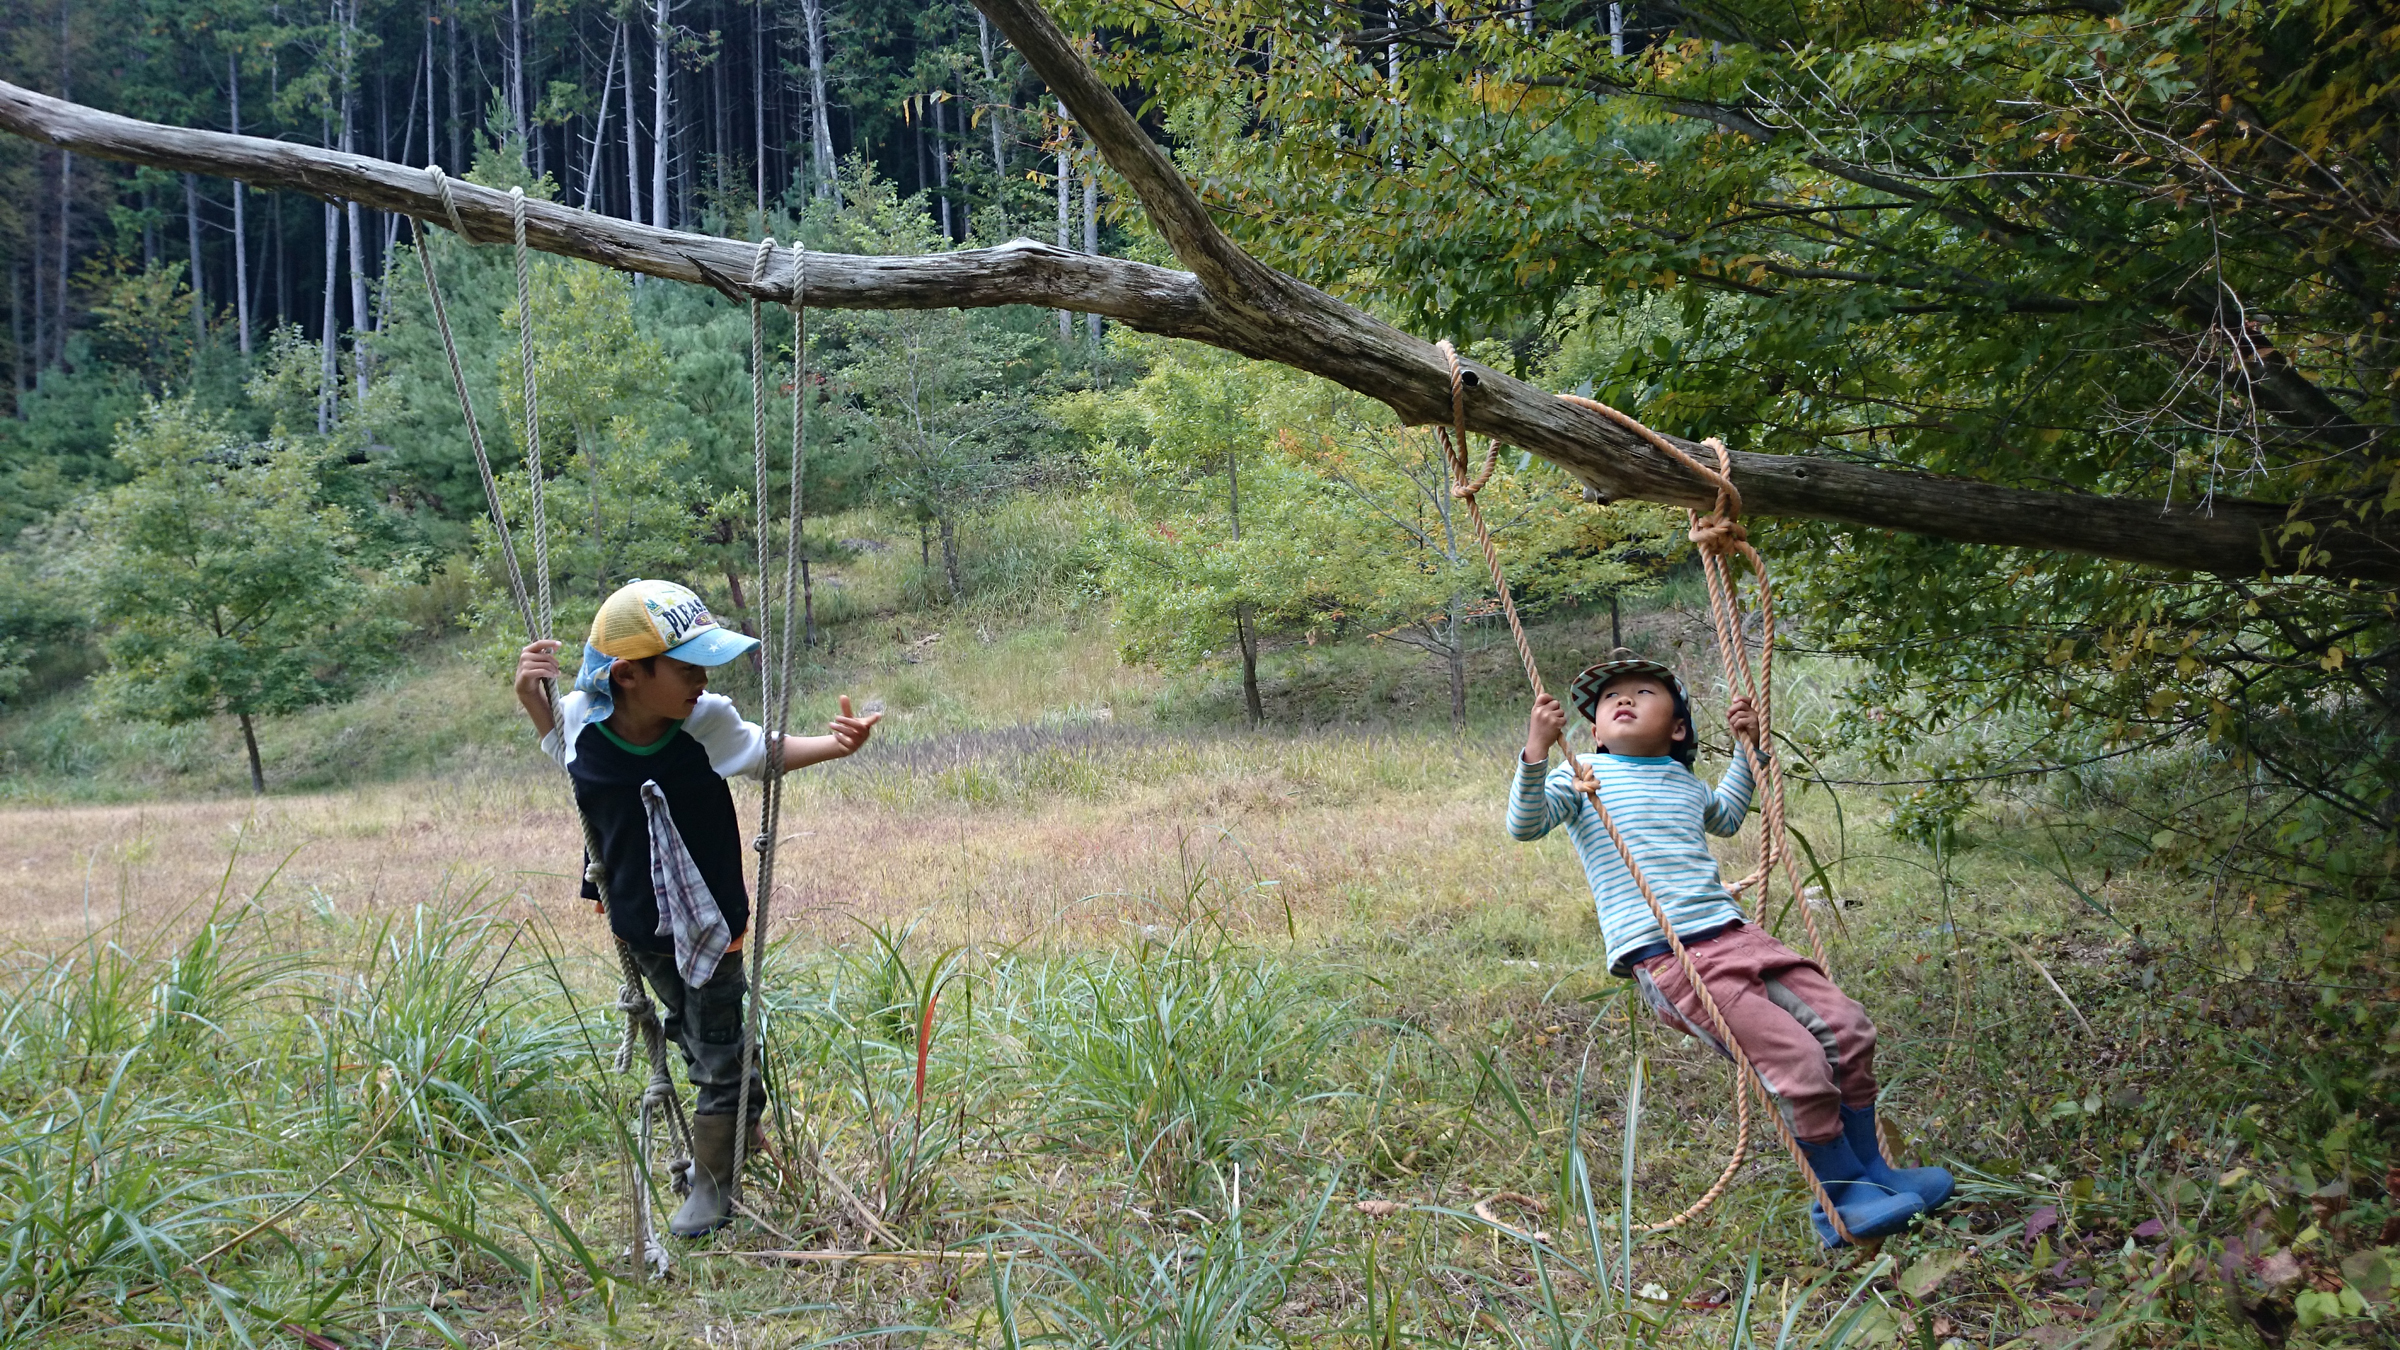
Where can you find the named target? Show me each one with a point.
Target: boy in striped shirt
(1812, 1045)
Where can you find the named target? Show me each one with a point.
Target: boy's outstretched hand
(849, 731)
(1543, 728)
(1742, 720)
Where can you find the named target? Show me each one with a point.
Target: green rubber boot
(710, 1205)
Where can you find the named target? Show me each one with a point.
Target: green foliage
(1196, 517)
(2092, 248)
(230, 586)
(1228, 485)
(936, 395)
(622, 500)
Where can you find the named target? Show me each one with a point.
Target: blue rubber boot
(1931, 1184)
(1868, 1210)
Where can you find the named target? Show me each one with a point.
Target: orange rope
(1715, 535)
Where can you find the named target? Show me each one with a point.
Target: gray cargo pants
(706, 1024)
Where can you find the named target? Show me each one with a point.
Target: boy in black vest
(649, 750)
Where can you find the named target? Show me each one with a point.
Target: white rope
(533, 414)
(466, 408)
(441, 184)
(775, 670)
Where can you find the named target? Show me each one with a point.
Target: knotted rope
(775, 671)
(533, 408)
(1722, 532)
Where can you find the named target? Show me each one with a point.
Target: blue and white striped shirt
(1661, 808)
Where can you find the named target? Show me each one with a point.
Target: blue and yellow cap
(660, 618)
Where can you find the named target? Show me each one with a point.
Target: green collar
(630, 748)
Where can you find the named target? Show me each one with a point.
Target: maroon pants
(1813, 1045)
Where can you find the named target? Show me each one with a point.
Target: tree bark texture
(1232, 301)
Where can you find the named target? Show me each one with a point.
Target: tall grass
(1151, 1122)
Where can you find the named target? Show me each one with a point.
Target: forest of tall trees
(678, 113)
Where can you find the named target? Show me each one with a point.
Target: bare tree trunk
(993, 116)
(608, 86)
(328, 374)
(513, 71)
(280, 250)
(720, 122)
(1457, 642)
(1066, 321)
(820, 119)
(808, 608)
(1247, 633)
(432, 138)
(41, 279)
(633, 146)
(660, 124)
(758, 105)
(1091, 240)
(1244, 630)
(1616, 624)
(949, 533)
(258, 775)
(16, 336)
(458, 152)
(241, 238)
(941, 165)
(358, 252)
(66, 191)
(1235, 302)
(191, 222)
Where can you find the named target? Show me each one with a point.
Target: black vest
(608, 790)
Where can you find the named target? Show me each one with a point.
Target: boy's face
(1637, 717)
(669, 689)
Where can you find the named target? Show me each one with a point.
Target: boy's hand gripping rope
(1715, 535)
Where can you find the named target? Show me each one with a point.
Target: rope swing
(1717, 535)
(644, 1033)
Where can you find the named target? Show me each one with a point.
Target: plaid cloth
(685, 907)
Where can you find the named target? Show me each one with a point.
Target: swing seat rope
(1717, 537)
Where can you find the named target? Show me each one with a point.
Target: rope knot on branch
(1463, 486)
(1718, 536)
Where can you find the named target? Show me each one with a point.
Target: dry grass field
(1130, 1029)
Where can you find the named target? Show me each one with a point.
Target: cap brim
(713, 647)
(1587, 686)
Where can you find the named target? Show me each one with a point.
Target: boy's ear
(1682, 731)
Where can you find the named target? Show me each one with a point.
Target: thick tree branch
(1237, 303)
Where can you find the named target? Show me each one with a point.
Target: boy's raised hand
(1544, 727)
(536, 663)
(1742, 720)
(850, 731)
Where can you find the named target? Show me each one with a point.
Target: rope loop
(1455, 445)
(441, 184)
